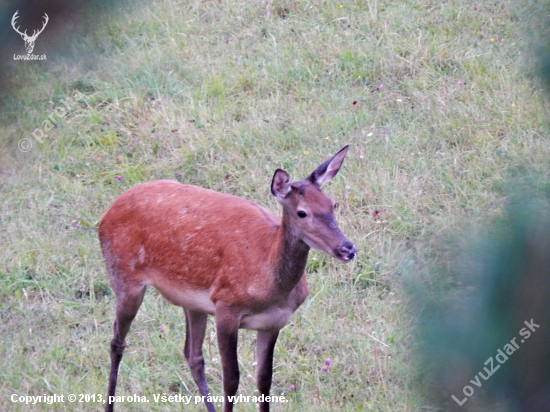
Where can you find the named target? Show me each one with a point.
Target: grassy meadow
(440, 105)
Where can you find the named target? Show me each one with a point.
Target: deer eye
(301, 214)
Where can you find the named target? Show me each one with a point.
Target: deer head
(29, 40)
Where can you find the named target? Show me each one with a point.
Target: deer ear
(280, 184)
(326, 171)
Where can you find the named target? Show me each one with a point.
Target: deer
(218, 254)
(29, 40)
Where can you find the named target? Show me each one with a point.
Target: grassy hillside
(436, 99)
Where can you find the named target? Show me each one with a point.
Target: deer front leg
(265, 344)
(227, 328)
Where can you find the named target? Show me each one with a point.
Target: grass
(437, 99)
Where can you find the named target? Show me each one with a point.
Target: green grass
(436, 99)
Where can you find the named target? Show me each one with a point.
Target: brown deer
(218, 254)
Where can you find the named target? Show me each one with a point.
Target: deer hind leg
(127, 305)
(195, 328)
(227, 328)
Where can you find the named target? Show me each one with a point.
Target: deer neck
(290, 256)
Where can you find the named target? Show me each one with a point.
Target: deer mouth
(346, 252)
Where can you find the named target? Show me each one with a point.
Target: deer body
(218, 254)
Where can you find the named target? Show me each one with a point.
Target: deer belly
(271, 318)
(197, 300)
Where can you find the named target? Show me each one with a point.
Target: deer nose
(347, 251)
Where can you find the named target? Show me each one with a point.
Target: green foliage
(500, 282)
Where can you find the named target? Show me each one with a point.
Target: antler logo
(29, 40)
